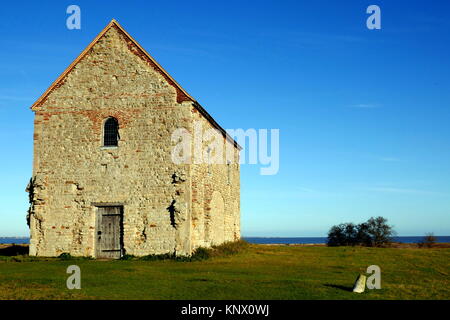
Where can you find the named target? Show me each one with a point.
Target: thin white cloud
(310, 39)
(292, 194)
(365, 106)
(403, 190)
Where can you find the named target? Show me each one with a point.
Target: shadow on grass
(336, 286)
(198, 280)
(14, 250)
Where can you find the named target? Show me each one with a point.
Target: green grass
(255, 272)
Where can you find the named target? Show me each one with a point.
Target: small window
(111, 132)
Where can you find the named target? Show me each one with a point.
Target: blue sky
(363, 114)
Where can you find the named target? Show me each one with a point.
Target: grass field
(257, 272)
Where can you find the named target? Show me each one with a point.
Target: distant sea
(265, 240)
(15, 240)
(310, 240)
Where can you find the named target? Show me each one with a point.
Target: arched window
(111, 132)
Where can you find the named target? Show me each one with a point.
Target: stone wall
(72, 172)
(215, 195)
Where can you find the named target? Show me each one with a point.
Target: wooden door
(109, 232)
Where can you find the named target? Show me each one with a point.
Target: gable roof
(182, 95)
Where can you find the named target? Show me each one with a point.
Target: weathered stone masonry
(167, 208)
